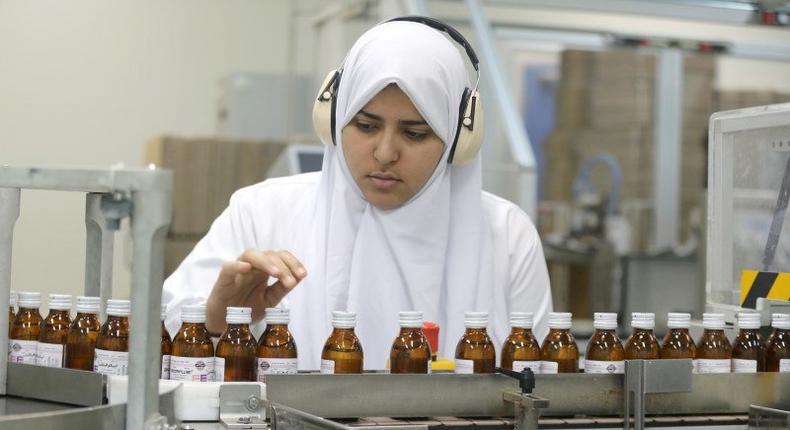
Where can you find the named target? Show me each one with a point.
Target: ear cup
(469, 136)
(323, 109)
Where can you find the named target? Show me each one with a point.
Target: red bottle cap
(431, 331)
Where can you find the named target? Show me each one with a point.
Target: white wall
(88, 82)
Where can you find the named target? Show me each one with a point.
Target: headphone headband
(452, 32)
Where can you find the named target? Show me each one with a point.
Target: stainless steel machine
(750, 186)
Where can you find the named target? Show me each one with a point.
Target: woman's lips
(383, 183)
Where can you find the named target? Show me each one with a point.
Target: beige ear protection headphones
(469, 133)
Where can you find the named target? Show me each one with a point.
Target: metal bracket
(241, 407)
(648, 377)
(527, 409)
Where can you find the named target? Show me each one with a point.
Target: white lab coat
(278, 214)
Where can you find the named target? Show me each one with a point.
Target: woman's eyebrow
(406, 122)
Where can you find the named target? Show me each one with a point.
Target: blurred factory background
(597, 115)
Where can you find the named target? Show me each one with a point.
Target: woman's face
(390, 149)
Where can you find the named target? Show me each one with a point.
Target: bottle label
(22, 351)
(549, 367)
(111, 362)
(49, 354)
(277, 366)
(328, 366)
(219, 369)
(196, 369)
(595, 366)
(165, 367)
(705, 365)
(744, 366)
(694, 366)
(464, 366)
(518, 366)
(784, 365)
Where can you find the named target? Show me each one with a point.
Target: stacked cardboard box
(206, 172)
(605, 105)
(731, 100)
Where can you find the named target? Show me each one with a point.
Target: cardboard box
(206, 172)
(176, 249)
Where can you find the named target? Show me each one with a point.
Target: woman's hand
(245, 282)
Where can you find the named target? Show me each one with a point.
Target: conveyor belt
(449, 423)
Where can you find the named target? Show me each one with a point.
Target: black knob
(526, 379)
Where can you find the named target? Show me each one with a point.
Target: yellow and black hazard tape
(770, 285)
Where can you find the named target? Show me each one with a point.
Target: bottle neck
(115, 319)
(410, 330)
(340, 330)
(643, 331)
(714, 331)
(559, 330)
(474, 330)
(28, 310)
(58, 313)
(679, 330)
(239, 326)
(604, 330)
(84, 314)
(520, 330)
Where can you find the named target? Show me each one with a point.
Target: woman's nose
(386, 151)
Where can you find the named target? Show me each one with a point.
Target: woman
(389, 224)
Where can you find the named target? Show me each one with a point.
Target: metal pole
(98, 251)
(9, 212)
(151, 213)
(492, 71)
(668, 111)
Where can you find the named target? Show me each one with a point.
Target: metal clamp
(526, 405)
(652, 376)
(241, 407)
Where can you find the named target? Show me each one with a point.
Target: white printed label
(196, 369)
(549, 367)
(595, 366)
(276, 366)
(694, 366)
(111, 362)
(219, 369)
(22, 351)
(705, 365)
(464, 366)
(518, 366)
(165, 367)
(328, 366)
(784, 365)
(744, 366)
(49, 355)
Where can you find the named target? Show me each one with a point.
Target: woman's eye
(365, 126)
(415, 135)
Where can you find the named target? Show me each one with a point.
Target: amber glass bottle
(714, 352)
(777, 356)
(748, 350)
(678, 342)
(25, 330)
(276, 352)
(475, 353)
(193, 352)
(342, 351)
(112, 344)
(559, 351)
(165, 346)
(410, 351)
(54, 330)
(11, 311)
(605, 353)
(642, 344)
(84, 330)
(521, 350)
(235, 357)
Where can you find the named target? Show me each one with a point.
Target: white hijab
(426, 255)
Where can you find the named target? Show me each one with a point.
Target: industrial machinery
(750, 186)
